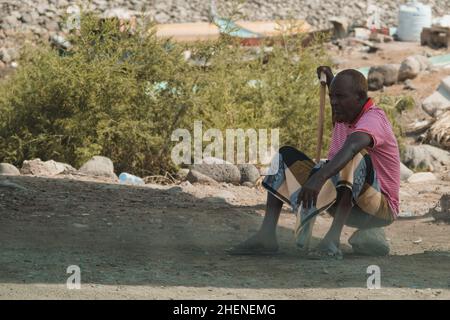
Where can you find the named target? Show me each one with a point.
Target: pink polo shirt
(384, 153)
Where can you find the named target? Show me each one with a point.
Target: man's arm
(354, 144)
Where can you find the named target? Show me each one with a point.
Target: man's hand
(354, 144)
(310, 190)
(328, 73)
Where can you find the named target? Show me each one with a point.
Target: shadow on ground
(123, 235)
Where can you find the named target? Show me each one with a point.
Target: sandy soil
(157, 242)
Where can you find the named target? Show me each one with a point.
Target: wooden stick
(303, 233)
(323, 83)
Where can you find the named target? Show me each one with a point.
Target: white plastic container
(412, 18)
(126, 178)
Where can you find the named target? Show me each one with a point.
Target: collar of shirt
(365, 108)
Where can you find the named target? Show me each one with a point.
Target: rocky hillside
(39, 18)
(38, 12)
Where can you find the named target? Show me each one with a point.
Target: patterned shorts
(370, 207)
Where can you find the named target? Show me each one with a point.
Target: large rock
(385, 75)
(405, 172)
(197, 177)
(439, 101)
(426, 157)
(219, 172)
(421, 177)
(412, 66)
(249, 173)
(37, 167)
(375, 79)
(370, 242)
(99, 166)
(7, 169)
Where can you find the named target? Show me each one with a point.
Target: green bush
(121, 95)
(393, 106)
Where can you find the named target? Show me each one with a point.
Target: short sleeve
(375, 124)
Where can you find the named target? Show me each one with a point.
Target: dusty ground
(158, 242)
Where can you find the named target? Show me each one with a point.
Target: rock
(10, 22)
(30, 17)
(5, 56)
(52, 25)
(424, 63)
(426, 157)
(60, 42)
(383, 75)
(249, 173)
(182, 173)
(162, 17)
(38, 167)
(42, 8)
(421, 177)
(439, 101)
(375, 80)
(197, 177)
(445, 84)
(436, 104)
(340, 27)
(408, 85)
(7, 169)
(185, 184)
(412, 66)
(370, 242)
(99, 166)
(405, 172)
(409, 69)
(248, 184)
(219, 172)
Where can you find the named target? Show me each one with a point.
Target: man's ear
(362, 98)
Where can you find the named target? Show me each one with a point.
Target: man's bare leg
(265, 238)
(331, 241)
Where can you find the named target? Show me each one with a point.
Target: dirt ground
(168, 242)
(158, 242)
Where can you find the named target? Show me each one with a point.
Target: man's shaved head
(357, 82)
(348, 94)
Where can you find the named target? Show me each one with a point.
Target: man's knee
(344, 196)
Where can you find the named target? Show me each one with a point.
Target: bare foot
(330, 246)
(258, 244)
(327, 249)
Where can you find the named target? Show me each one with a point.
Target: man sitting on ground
(358, 184)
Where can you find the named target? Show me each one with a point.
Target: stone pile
(40, 19)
